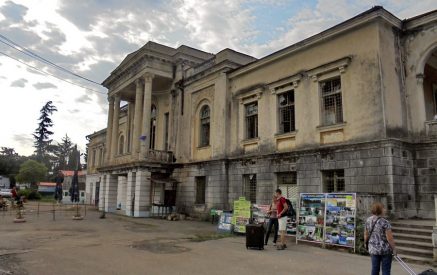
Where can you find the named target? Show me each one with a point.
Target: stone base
(19, 220)
(142, 214)
(77, 218)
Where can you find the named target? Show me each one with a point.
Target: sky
(91, 38)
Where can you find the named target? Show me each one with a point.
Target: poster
(340, 219)
(311, 217)
(241, 215)
(225, 222)
(260, 213)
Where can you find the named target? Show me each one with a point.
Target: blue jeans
(272, 222)
(381, 262)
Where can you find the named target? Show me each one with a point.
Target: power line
(52, 75)
(42, 59)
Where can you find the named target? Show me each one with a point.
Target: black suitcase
(410, 271)
(255, 236)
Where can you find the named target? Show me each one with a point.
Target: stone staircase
(414, 240)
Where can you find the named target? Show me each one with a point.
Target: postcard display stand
(327, 218)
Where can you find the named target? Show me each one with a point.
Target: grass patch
(47, 199)
(209, 237)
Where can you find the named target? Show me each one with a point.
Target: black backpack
(290, 211)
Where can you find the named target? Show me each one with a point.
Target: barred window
(333, 181)
(249, 187)
(287, 182)
(205, 115)
(200, 190)
(251, 120)
(286, 112)
(332, 109)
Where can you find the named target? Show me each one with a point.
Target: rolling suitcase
(410, 271)
(255, 236)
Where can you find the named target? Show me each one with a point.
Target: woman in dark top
(380, 240)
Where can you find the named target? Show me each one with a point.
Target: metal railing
(160, 156)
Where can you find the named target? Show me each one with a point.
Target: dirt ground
(122, 245)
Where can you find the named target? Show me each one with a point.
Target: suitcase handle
(404, 265)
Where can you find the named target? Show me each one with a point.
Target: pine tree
(74, 159)
(62, 153)
(42, 133)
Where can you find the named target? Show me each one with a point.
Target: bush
(359, 237)
(30, 194)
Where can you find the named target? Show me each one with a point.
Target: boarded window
(249, 187)
(251, 120)
(332, 108)
(205, 115)
(286, 112)
(200, 190)
(333, 181)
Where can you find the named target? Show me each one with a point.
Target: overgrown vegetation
(359, 237)
(30, 194)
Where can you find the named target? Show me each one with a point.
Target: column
(147, 107)
(137, 118)
(111, 193)
(130, 193)
(142, 194)
(109, 129)
(102, 192)
(115, 124)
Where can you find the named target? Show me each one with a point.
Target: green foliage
(62, 152)
(32, 172)
(30, 194)
(10, 163)
(359, 237)
(42, 133)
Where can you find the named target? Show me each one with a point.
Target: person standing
(282, 208)
(379, 239)
(273, 221)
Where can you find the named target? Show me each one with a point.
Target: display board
(340, 219)
(241, 215)
(260, 213)
(225, 222)
(311, 216)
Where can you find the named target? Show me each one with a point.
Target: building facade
(351, 109)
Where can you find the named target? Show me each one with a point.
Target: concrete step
(414, 238)
(405, 224)
(415, 252)
(415, 259)
(414, 244)
(412, 231)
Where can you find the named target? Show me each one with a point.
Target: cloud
(74, 111)
(13, 12)
(83, 99)
(21, 83)
(25, 140)
(44, 85)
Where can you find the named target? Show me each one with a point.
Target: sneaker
(284, 245)
(280, 247)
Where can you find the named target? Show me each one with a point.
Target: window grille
(200, 190)
(252, 120)
(286, 112)
(334, 181)
(332, 109)
(204, 126)
(249, 187)
(287, 182)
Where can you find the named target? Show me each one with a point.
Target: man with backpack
(282, 208)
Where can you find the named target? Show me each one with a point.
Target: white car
(5, 193)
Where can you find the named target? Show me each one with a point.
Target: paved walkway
(121, 245)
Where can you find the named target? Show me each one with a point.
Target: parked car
(6, 193)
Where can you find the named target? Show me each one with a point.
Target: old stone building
(350, 109)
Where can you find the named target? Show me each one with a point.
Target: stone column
(137, 118)
(147, 108)
(115, 124)
(102, 193)
(111, 193)
(109, 129)
(142, 194)
(130, 192)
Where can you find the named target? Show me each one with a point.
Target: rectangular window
(333, 181)
(94, 157)
(287, 182)
(251, 112)
(166, 126)
(332, 106)
(249, 187)
(200, 190)
(286, 112)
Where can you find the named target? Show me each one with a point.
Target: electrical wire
(42, 59)
(49, 74)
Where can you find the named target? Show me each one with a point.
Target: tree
(10, 163)
(62, 153)
(31, 172)
(42, 133)
(74, 159)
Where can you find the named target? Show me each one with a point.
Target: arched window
(121, 145)
(205, 115)
(152, 127)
